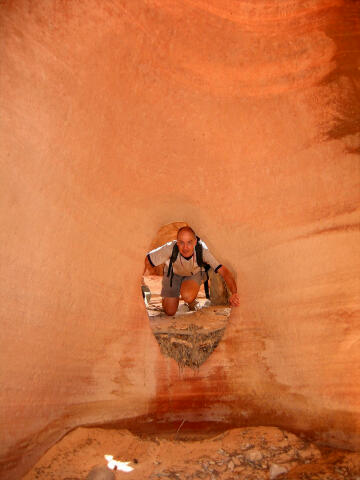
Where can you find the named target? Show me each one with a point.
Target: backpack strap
(173, 258)
(199, 252)
(201, 263)
(206, 283)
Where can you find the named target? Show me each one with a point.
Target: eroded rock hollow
(117, 117)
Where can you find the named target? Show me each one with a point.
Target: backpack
(199, 260)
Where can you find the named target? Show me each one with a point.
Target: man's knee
(170, 305)
(170, 311)
(189, 290)
(188, 297)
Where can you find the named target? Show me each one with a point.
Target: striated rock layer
(239, 118)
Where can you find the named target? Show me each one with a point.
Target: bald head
(186, 241)
(186, 229)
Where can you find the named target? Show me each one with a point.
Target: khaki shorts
(174, 291)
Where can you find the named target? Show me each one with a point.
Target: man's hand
(234, 300)
(230, 282)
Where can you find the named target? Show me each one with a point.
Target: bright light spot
(117, 465)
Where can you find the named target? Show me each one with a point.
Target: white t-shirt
(183, 266)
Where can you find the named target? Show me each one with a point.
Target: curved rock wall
(239, 118)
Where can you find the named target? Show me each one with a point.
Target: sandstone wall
(239, 118)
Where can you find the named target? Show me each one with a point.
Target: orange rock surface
(118, 117)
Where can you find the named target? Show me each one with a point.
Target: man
(187, 274)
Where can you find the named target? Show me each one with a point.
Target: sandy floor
(246, 453)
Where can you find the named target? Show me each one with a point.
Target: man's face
(186, 243)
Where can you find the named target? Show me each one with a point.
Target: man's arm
(148, 266)
(230, 282)
(157, 257)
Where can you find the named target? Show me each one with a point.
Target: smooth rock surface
(239, 118)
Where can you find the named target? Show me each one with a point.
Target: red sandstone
(104, 106)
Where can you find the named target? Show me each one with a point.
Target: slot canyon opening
(191, 328)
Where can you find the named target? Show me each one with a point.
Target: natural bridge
(238, 117)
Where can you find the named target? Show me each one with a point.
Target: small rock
(224, 453)
(231, 465)
(282, 443)
(246, 446)
(221, 468)
(307, 453)
(181, 342)
(254, 456)
(200, 474)
(100, 473)
(283, 458)
(276, 470)
(239, 468)
(236, 461)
